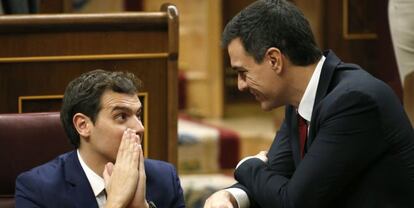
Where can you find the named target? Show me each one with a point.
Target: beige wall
(200, 53)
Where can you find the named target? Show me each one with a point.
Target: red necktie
(303, 134)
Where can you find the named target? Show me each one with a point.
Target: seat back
(27, 140)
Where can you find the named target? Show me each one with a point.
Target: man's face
(259, 79)
(118, 112)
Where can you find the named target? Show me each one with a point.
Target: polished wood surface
(366, 41)
(42, 53)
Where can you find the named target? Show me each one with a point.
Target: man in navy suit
(345, 140)
(101, 114)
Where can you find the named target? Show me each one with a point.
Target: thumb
(110, 167)
(107, 173)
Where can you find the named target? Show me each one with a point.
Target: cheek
(113, 136)
(252, 82)
(117, 133)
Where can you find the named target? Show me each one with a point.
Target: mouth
(256, 95)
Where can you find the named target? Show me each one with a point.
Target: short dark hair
(83, 95)
(273, 23)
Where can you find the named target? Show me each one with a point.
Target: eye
(242, 74)
(121, 117)
(139, 116)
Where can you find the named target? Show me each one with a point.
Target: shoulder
(352, 84)
(46, 174)
(157, 166)
(163, 184)
(352, 78)
(40, 182)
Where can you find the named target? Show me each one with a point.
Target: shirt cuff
(241, 197)
(244, 159)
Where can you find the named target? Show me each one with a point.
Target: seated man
(101, 116)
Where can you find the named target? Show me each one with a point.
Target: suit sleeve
(26, 193)
(280, 160)
(179, 196)
(342, 148)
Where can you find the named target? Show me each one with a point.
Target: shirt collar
(96, 181)
(306, 103)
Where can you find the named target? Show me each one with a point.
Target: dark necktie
(303, 134)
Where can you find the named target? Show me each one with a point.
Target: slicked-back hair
(273, 23)
(83, 95)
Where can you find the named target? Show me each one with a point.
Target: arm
(340, 151)
(280, 160)
(178, 191)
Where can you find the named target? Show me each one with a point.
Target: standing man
(101, 114)
(345, 140)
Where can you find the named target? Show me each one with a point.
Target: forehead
(237, 53)
(236, 48)
(111, 99)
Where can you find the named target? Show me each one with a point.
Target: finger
(207, 203)
(141, 160)
(123, 145)
(130, 144)
(110, 168)
(141, 175)
(139, 140)
(135, 156)
(134, 136)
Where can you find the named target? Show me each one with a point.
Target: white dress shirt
(97, 182)
(305, 110)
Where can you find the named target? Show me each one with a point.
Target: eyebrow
(238, 68)
(129, 110)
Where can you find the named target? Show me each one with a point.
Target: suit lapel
(292, 120)
(79, 190)
(325, 80)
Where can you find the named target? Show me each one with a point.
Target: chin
(268, 106)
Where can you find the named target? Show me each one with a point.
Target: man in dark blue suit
(101, 114)
(345, 141)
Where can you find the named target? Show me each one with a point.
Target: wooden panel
(356, 39)
(358, 19)
(41, 54)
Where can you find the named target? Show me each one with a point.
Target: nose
(137, 126)
(241, 83)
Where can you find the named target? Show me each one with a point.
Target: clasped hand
(125, 181)
(223, 198)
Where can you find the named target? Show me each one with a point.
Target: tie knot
(103, 193)
(303, 133)
(301, 121)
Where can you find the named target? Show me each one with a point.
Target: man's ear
(274, 56)
(82, 124)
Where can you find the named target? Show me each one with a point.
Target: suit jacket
(63, 183)
(359, 151)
